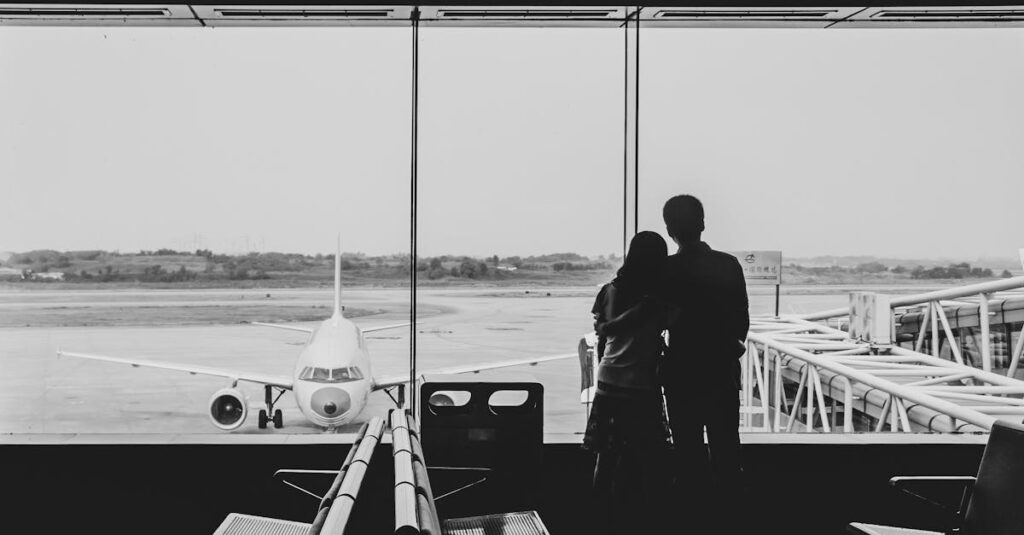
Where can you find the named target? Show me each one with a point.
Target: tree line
(961, 270)
(204, 264)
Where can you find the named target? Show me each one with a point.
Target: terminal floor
(796, 486)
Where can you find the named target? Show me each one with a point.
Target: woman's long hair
(642, 269)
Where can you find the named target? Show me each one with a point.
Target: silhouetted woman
(627, 427)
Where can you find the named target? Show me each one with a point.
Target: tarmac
(41, 394)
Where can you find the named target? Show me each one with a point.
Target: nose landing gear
(271, 400)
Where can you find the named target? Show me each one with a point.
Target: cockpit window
(350, 373)
(335, 375)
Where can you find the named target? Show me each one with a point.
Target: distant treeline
(955, 271)
(155, 273)
(206, 267)
(170, 266)
(952, 271)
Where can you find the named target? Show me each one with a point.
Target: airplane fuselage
(332, 375)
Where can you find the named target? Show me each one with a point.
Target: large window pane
(520, 198)
(874, 160)
(896, 144)
(232, 141)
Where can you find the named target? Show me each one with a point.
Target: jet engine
(449, 398)
(441, 399)
(228, 409)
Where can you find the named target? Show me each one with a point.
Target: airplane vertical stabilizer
(337, 279)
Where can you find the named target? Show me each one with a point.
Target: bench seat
(239, 524)
(521, 523)
(858, 528)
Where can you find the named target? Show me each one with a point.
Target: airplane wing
(394, 380)
(280, 381)
(384, 327)
(306, 330)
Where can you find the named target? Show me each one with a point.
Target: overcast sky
(902, 143)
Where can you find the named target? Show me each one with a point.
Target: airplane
(331, 380)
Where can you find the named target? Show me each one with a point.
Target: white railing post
(809, 392)
(797, 399)
(883, 414)
(904, 418)
(751, 365)
(1017, 351)
(778, 389)
(766, 392)
(819, 393)
(747, 393)
(954, 342)
(925, 313)
(986, 339)
(847, 404)
(762, 391)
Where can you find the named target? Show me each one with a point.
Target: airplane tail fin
(337, 278)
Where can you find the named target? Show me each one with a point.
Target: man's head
(684, 218)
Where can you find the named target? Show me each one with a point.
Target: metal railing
(799, 375)
(336, 506)
(889, 387)
(935, 321)
(415, 511)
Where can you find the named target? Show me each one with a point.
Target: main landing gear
(271, 400)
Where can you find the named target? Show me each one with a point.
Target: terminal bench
(335, 506)
(415, 510)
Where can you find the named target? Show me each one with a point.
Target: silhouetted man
(701, 372)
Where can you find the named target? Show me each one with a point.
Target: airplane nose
(330, 402)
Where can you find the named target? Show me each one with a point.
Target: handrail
(957, 411)
(415, 511)
(405, 483)
(340, 509)
(332, 492)
(1001, 285)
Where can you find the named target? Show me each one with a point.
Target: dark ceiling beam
(650, 3)
(474, 13)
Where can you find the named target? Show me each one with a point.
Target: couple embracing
(654, 401)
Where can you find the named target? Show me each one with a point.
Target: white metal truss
(935, 322)
(844, 385)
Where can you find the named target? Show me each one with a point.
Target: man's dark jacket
(708, 291)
